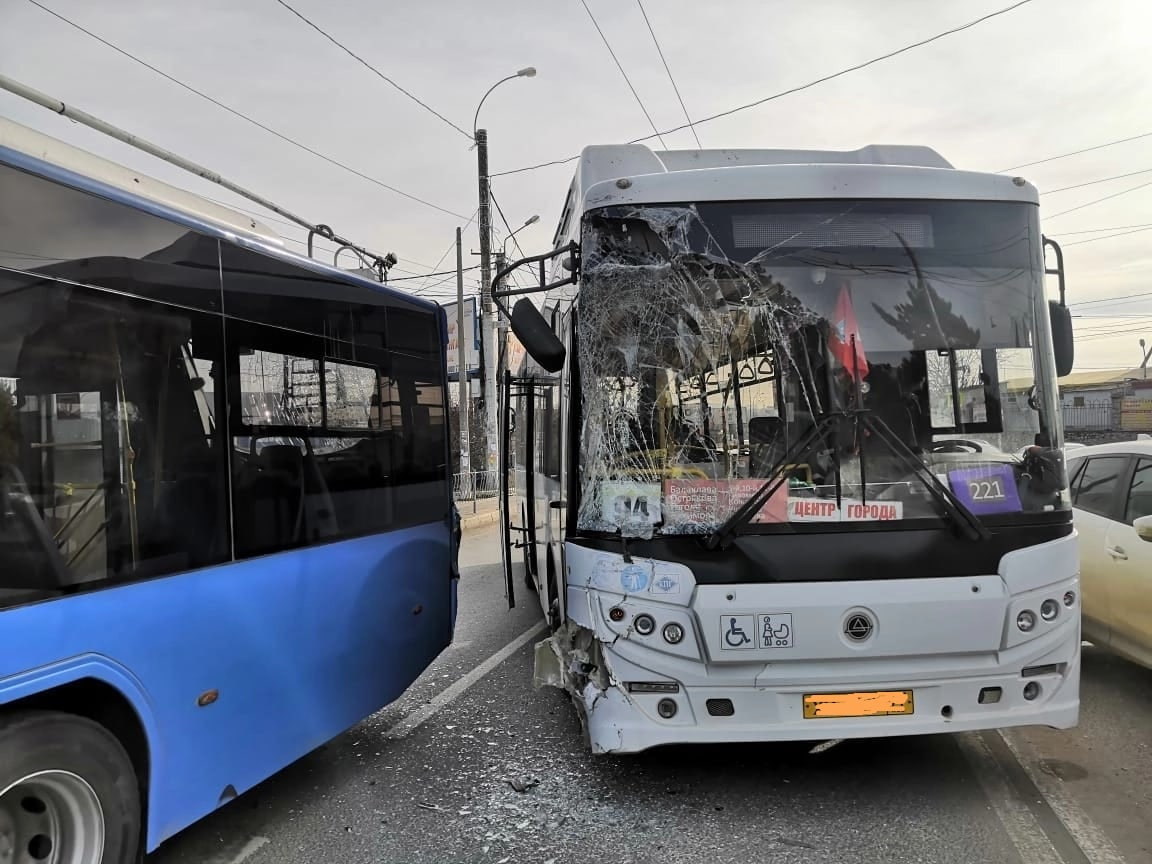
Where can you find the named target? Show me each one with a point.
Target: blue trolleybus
(225, 530)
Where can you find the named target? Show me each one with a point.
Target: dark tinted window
(1096, 487)
(420, 432)
(414, 332)
(109, 460)
(264, 289)
(331, 438)
(51, 230)
(1140, 493)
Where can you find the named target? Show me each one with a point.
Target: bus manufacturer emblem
(858, 627)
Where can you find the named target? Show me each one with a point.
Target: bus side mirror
(1062, 344)
(536, 336)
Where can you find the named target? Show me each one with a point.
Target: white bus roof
(37, 145)
(616, 174)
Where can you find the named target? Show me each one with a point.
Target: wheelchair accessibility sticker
(737, 632)
(749, 632)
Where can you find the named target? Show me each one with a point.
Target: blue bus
(225, 518)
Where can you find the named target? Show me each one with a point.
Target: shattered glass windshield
(722, 345)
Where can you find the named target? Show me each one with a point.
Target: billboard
(471, 336)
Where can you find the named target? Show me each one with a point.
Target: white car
(1112, 507)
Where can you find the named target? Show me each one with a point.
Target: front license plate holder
(872, 703)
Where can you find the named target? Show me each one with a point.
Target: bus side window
(334, 439)
(110, 471)
(421, 460)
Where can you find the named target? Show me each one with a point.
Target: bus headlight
(1069, 598)
(1049, 609)
(673, 633)
(1026, 620)
(645, 625)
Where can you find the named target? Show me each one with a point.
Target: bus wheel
(68, 792)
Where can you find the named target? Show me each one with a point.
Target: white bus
(785, 455)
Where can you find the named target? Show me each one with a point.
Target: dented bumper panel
(739, 661)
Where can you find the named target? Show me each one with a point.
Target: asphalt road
(427, 780)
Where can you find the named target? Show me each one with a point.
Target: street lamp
(488, 331)
(532, 220)
(526, 72)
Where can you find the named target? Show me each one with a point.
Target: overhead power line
(234, 112)
(1102, 230)
(440, 261)
(1077, 152)
(381, 263)
(372, 68)
(1100, 180)
(627, 80)
(1111, 299)
(846, 71)
(671, 80)
(1109, 236)
(1119, 332)
(1099, 200)
(507, 227)
(430, 275)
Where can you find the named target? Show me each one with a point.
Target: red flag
(845, 337)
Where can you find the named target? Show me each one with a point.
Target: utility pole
(462, 374)
(487, 343)
(1147, 354)
(501, 328)
(487, 314)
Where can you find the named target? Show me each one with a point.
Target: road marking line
(1019, 822)
(459, 687)
(246, 851)
(1094, 843)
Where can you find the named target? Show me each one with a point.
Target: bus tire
(68, 791)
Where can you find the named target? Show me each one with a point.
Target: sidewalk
(487, 513)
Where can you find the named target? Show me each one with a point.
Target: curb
(474, 521)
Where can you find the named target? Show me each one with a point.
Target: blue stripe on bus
(301, 646)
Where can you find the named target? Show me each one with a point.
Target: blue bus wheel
(68, 792)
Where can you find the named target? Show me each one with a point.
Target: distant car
(1068, 445)
(1112, 508)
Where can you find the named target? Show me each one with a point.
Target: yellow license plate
(875, 704)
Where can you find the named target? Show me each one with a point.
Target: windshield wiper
(962, 517)
(760, 497)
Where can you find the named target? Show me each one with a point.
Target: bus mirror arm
(1059, 315)
(571, 263)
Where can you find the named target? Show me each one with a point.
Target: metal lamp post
(488, 316)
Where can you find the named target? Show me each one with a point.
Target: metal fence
(1096, 417)
(475, 485)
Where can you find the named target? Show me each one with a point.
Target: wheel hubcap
(51, 816)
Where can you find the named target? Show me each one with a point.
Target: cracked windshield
(848, 345)
(545, 433)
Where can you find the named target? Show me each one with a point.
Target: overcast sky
(1050, 77)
